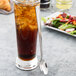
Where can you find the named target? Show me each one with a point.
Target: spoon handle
(40, 41)
(43, 65)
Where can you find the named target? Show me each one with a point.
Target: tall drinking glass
(26, 21)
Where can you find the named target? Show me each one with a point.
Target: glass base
(27, 65)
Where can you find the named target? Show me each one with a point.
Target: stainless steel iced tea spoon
(43, 64)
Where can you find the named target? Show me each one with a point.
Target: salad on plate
(63, 22)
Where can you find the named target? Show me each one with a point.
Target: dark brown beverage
(44, 4)
(26, 27)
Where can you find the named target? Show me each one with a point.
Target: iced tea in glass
(26, 30)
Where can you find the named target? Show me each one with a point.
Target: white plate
(50, 27)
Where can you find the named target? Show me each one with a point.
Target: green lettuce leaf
(43, 19)
(67, 26)
(73, 32)
(56, 23)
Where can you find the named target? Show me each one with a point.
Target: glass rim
(26, 2)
